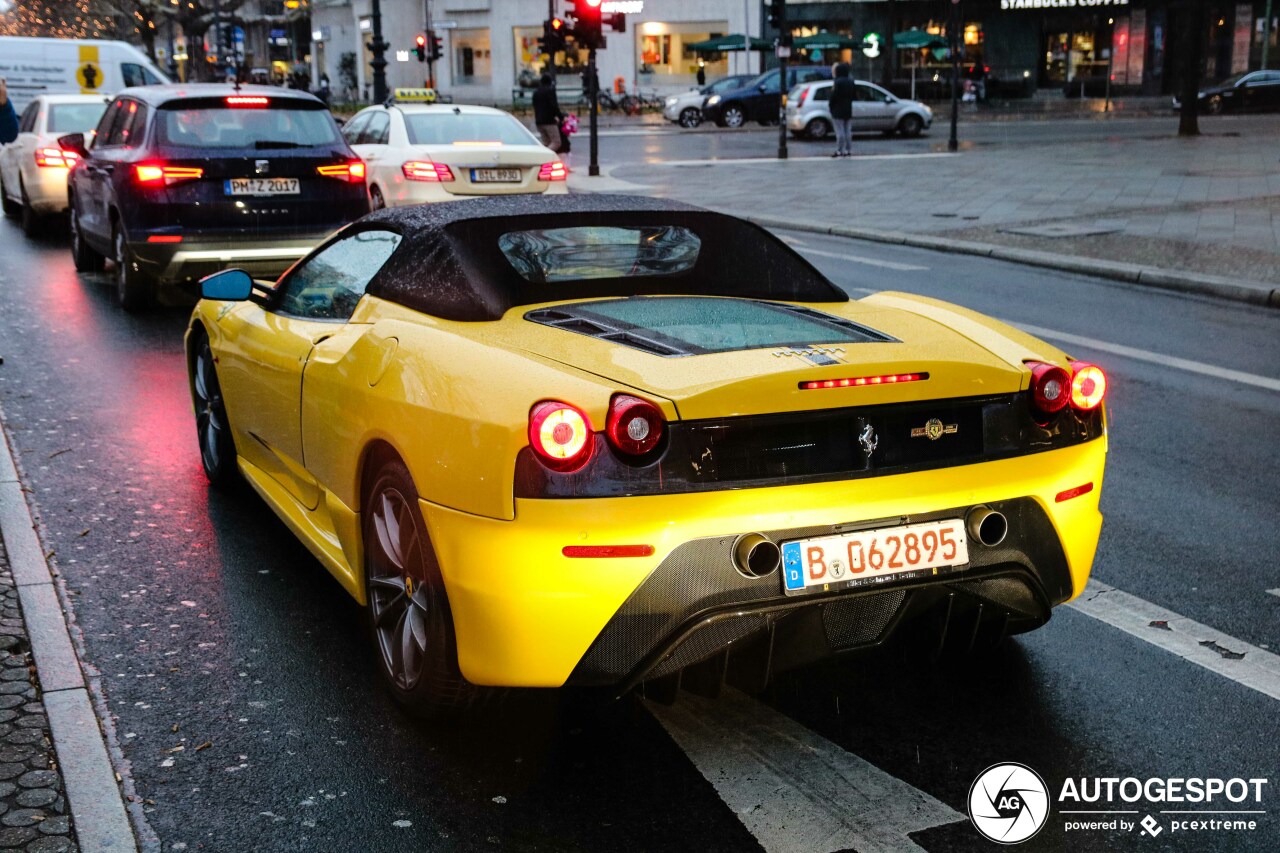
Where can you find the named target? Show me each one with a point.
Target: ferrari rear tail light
(56, 158)
(246, 101)
(607, 550)
(352, 172)
(634, 426)
(155, 174)
(1050, 387)
(425, 170)
(859, 381)
(553, 171)
(560, 435)
(1088, 386)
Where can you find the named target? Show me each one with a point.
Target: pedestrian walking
(843, 91)
(8, 116)
(547, 114)
(702, 73)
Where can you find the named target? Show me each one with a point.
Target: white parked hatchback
(33, 169)
(809, 113)
(421, 153)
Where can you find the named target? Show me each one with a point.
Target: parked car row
(170, 183)
(733, 101)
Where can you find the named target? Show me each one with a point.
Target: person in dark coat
(8, 115)
(843, 92)
(547, 114)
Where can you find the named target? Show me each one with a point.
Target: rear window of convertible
(550, 255)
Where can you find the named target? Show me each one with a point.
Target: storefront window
(472, 63)
(567, 65)
(665, 59)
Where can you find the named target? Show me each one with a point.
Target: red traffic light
(422, 40)
(593, 3)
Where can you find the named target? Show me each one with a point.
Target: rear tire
(819, 128)
(134, 289)
(408, 613)
(32, 222)
(84, 256)
(732, 116)
(11, 207)
(376, 201)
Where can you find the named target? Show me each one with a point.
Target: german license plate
(495, 176)
(868, 557)
(262, 186)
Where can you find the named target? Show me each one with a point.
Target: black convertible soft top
(450, 264)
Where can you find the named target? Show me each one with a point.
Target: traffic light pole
(954, 143)
(593, 84)
(784, 53)
(378, 47)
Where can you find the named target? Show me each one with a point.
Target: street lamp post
(954, 143)
(378, 47)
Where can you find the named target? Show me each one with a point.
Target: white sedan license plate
(262, 186)
(495, 176)
(874, 556)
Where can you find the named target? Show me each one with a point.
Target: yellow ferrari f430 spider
(604, 440)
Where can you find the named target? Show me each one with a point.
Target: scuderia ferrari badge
(934, 429)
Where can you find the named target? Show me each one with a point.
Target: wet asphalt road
(214, 631)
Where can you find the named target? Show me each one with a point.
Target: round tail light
(560, 435)
(1088, 385)
(1050, 387)
(635, 426)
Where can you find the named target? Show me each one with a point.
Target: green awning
(731, 42)
(917, 39)
(828, 41)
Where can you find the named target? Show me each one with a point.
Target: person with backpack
(547, 114)
(843, 92)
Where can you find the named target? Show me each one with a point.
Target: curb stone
(1248, 292)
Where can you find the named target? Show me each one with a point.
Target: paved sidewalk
(1206, 205)
(33, 809)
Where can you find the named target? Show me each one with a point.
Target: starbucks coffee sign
(1059, 4)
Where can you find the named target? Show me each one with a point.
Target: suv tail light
(1088, 385)
(560, 435)
(804, 94)
(635, 426)
(425, 170)
(154, 174)
(351, 172)
(553, 171)
(1050, 387)
(56, 158)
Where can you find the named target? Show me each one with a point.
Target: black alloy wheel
(911, 125)
(408, 610)
(133, 289)
(217, 446)
(690, 117)
(819, 128)
(733, 116)
(84, 256)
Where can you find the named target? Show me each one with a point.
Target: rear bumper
(46, 190)
(528, 616)
(198, 256)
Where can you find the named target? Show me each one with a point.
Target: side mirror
(73, 142)
(228, 285)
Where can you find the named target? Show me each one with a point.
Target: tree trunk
(1193, 34)
(891, 52)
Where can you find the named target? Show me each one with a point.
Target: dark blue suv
(759, 99)
(182, 181)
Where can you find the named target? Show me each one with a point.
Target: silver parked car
(809, 114)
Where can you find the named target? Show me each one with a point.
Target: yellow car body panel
(525, 614)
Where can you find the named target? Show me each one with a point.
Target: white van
(47, 66)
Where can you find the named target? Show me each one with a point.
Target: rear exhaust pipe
(754, 556)
(987, 525)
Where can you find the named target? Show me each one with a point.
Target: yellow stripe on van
(88, 71)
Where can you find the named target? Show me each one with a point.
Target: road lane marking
(1155, 357)
(739, 161)
(792, 789)
(1237, 660)
(859, 259)
(1275, 592)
